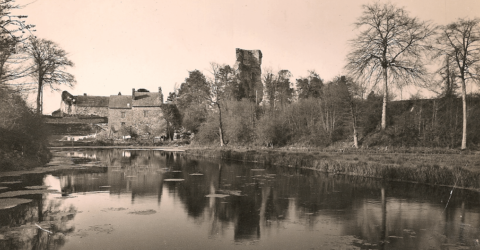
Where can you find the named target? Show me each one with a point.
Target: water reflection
(247, 204)
(25, 226)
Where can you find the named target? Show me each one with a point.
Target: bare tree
(12, 30)
(223, 75)
(460, 43)
(351, 92)
(268, 79)
(389, 48)
(49, 65)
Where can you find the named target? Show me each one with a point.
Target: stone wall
(115, 118)
(142, 119)
(92, 111)
(148, 120)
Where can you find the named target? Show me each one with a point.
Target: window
(145, 113)
(123, 114)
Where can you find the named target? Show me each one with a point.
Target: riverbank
(10, 161)
(126, 147)
(430, 166)
(461, 169)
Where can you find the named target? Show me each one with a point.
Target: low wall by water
(428, 173)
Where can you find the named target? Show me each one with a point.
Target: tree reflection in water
(252, 203)
(40, 224)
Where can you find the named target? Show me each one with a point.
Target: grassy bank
(459, 170)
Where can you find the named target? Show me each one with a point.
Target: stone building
(248, 66)
(84, 105)
(140, 112)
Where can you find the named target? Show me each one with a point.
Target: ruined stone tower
(249, 71)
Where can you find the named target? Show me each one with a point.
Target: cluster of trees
(23, 136)
(391, 48)
(25, 61)
(389, 52)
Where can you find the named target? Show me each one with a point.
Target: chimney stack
(133, 94)
(84, 94)
(161, 94)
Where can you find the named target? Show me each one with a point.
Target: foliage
(192, 90)
(173, 119)
(191, 102)
(271, 130)
(23, 134)
(128, 131)
(239, 121)
(306, 122)
(208, 131)
(278, 88)
(226, 76)
(370, 120)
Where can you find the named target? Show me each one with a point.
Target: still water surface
(118, 199)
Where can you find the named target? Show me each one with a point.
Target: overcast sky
(119, 45)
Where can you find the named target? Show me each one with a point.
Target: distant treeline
(315, 122)
(323, 114)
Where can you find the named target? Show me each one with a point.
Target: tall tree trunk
(39, 96)
(220, 127)
(355, 137)
(464, 102)
(385, 98)
(354, 121)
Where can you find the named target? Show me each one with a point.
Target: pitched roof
(147, 99)
(120, 102)
(91, 101)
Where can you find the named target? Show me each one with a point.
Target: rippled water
(119, 199)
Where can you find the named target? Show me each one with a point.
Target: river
(148, 199)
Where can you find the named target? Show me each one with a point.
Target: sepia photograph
(239, 124)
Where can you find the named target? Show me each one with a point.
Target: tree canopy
(389, 48)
